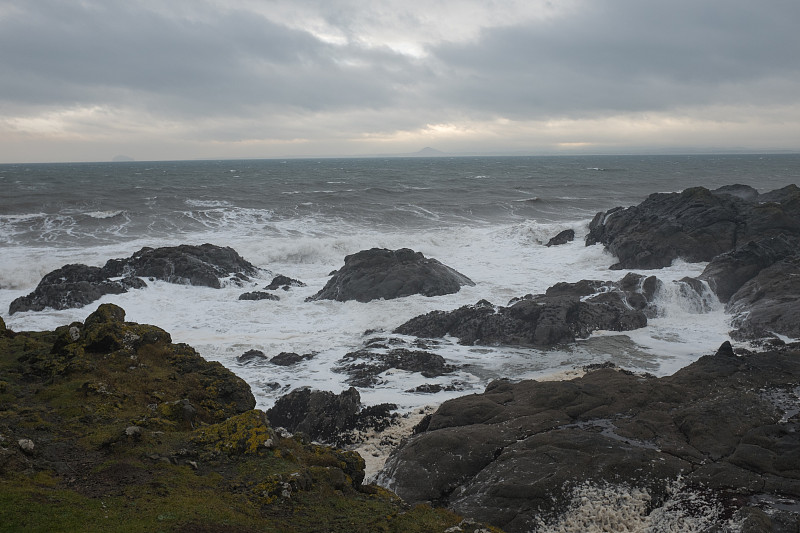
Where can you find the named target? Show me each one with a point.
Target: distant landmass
(121, 158)
(428, 152)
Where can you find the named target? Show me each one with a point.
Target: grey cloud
(625, 55)
(115, 53)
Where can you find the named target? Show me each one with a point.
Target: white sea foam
(505, 262)
(597, 508)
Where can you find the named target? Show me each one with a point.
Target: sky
(88, 80)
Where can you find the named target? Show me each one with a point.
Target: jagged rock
(258, 295)
(769, 303)
(364, 366)
(568, 235)
(520, 451)
(381, 273)
(72, 286)
(283, 282)
(202, 265)
(77, 285)
(727, 272)
(565, 312)
(289, 358)
(694, 225)
(325, 416)
(250, 356)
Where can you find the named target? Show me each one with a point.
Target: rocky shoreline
(713, 447)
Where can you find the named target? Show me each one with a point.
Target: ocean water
(487, 217)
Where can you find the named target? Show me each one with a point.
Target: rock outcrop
(695, 225)
(108, 426)
(364, 366)
(769, 303)
(567, 311)
(568, 235)
(77, 285)
(522, 454)
(73, 286)
(380, 273)
(328, 417)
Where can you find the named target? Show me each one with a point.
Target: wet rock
(251, 355)
(328, 417)
(769, 303)
(258, 295)
(290, 358)
(694, 225)
(72, 286)
(564, 313)
(518, 451)
(75, 285)
(568, 235)
(283, 282)
(381, 273)
(205, 265)
(726, 273)
(364, 366)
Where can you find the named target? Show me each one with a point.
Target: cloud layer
(84, 80)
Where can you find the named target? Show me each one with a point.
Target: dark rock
(283, 282)
(250, 356)
(76, 285)
(203, 265)
(565, 312)
(568, 235)
(520, 451)
(694, 225)
(289, 358)
(745, 192)
(727, 272)
(328, 417)
(72, 286)
(380, 273)
(258, 295)
(364, 366)
(769, 303)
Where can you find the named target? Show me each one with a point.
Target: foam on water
(504, 261)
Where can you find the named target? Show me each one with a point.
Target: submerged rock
(519, 452)
(694, 225)
(381, 273)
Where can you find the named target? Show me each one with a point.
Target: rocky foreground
(107, 425)
(717, 443)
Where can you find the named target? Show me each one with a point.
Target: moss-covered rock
(107, 425)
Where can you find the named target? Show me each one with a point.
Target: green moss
(134, 433)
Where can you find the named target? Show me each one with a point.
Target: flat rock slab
(379, 273)
(518, 452)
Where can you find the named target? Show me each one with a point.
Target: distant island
(122, 158)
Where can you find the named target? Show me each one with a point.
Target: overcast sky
(86, 80)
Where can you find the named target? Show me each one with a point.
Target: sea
(487, 217)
